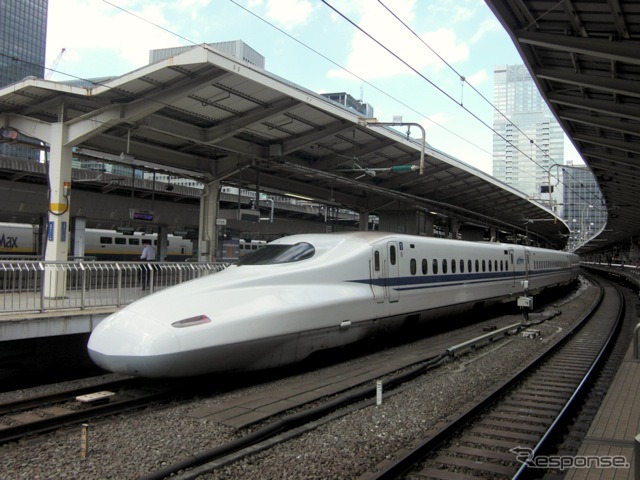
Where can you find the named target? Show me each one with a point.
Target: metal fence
(31, 285)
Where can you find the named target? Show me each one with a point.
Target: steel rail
(408, 460)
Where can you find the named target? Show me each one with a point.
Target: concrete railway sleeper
(293, 425)
(508, 432)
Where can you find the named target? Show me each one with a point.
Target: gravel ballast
(133, 445)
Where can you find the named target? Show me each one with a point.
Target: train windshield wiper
(274, 254)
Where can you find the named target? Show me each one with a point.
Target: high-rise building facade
(23, 41)
(584, 208)
(528, 141)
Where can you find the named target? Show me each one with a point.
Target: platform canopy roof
(585, 58)
(210, 116)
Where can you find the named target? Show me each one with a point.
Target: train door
(385, 270)
(527, 263)
(512, 266)
(393, 271)
(378, 281)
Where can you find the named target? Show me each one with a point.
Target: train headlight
(191, 321)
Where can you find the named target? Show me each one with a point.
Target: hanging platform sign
(146, 215)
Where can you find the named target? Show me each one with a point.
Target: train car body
(112, 245)
(305, 293)
(19, 240)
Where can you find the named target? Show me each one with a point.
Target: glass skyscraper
(23, 41)
(584, 208)
(529, 141)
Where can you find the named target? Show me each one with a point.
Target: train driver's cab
(273, 254)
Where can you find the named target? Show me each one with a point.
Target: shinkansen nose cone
(132, 344)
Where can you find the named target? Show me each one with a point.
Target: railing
(26, 285)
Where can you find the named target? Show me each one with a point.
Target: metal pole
(373, 121)
(84, 436)
(636, 456)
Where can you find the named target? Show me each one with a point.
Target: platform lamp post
(551, 187)
(582, 220)
(365, 122)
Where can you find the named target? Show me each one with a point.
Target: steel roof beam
(607, 123)
(631, 147)
(630, 111)
(611, 85)
(626, 51)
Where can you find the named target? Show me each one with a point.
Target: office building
(584, 209)
(23, 40)
(528, 141)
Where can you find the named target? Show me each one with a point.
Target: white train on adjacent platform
(306, 293)
(20, 240)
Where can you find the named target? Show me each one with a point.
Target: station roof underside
(208, 116)
(585, 58)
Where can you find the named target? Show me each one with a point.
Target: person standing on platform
(148, 255)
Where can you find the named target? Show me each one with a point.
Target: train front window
(274, 254)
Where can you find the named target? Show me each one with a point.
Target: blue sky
(308, 43)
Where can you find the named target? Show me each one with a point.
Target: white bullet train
(305, 293)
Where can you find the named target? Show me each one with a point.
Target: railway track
(512, 430)
(290, 426)
(41, 414)
(285, 427)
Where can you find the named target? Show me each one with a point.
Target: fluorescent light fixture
(301, 197)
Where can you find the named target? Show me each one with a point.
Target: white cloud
(289, 14)
(477, 78)
(436, 120)
(369, 60)
(92, 28)
(487, 26)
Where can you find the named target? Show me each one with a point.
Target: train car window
(461, 266)
(489, 265)
(477, 266)
(501, 266)
(484, 266)
(444, 266)
(495, 265)
(469, 266)
(392, 255)
(121, 241)
(376, 260)
(134, 241)
(275, 254)
(108, 240)
(435, 266)
(413, 266)
(425, 266)
(453, 266)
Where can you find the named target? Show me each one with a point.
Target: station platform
(607, 451)
(30, 325)
(611, 435)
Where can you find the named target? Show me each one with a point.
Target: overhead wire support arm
(374, 122)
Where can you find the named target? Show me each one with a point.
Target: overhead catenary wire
(493, 106)
(441, 90)
(141, 18)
